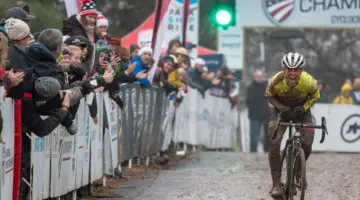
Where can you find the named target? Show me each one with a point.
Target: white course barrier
(62, 163)
(6, 147)
(204, 121)
(343, 123)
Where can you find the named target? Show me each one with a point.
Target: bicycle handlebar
(300, 125)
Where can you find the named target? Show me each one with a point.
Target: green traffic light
(223, 17)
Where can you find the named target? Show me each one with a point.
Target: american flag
(280, 10)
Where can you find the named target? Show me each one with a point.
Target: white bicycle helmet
(293, 60)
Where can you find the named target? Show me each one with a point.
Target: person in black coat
(258, 109)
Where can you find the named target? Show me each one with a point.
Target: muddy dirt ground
(237, 176)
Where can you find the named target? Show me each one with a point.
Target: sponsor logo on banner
(350, 129)
(278, 11)
(173, 21)
(145, 37)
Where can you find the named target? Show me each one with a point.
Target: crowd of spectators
(52, 70)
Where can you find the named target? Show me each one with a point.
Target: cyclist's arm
(314, 95)
(271, 94)
(276, 103)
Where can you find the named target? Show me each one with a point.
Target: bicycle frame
(293, 143)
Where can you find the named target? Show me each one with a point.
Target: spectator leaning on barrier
(103, 65)
(356, 92)
(345, 97)
(257, 109)
(43, 56)
(84, 24)
(10, 78)
(75, 56)
(45, 88)
(174, 78)
(167, 65)
(198, 69)
(134, 50)
(102, 25)
(142, 61)
(65, 58)
(183, 58)
(173, 46)
(84, 44)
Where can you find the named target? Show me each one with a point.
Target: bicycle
(295, 156)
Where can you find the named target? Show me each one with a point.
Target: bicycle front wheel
(299, 175)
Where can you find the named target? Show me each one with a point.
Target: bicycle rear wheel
(299, 174)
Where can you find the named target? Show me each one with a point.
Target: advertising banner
(6, 146)
(342, 123)
(80, 143)
(96, 140)
(40, 163)
(111, 134)
(207, 121)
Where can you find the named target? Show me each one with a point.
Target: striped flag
(161, 10)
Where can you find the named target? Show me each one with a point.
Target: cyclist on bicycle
(292, 92)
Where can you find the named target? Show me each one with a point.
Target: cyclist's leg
(274, 154)
(307, 138)
(307, 135)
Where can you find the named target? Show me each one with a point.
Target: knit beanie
(145, 50)
(88, 8)
(17, 29)
(102, 21)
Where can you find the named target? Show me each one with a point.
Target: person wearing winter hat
(18, 31)
(142, 62)
(102, 25)
(19, 34)
(21, 13)
(115, 41)
(84, 23)
(18, 13)
(199, 64)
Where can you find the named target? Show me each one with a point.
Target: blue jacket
(140, 66)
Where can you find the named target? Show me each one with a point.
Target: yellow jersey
(305, 93)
